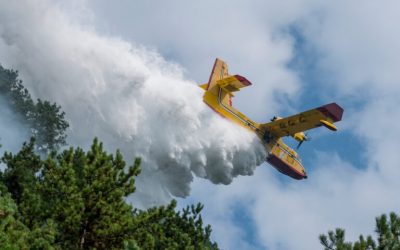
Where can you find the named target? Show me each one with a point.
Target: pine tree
(164, 228)
(48, 126)
(16, 94)
(76, 200)
(46, 120)
(388, 231)
(16, 235)
(84, 194)
(21, 181)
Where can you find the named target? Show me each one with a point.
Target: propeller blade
(298, 146)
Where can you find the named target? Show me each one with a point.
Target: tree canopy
(46, 120)
(387, 230)
(76, 200)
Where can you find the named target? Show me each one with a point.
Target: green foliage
(336, 240)
(164, 228)
(131, 245)
(82, 193)
(48, 125)
(76, 200)
(45, 120)
(20, 179)
(85, 195)
(18, 96)
(388, 231)
(15, 235)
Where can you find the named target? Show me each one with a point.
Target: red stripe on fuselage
(212, 72)
(285, 168)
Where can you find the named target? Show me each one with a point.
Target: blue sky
(298, 54)
(315, 92)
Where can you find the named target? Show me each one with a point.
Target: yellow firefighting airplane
(218, 95)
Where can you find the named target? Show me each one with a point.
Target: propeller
(306, 138)
(298, 145)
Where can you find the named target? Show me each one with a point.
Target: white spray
(127, 96)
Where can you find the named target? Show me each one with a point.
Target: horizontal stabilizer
(204, 86)
(233, 83)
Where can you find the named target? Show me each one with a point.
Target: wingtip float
(218, 96)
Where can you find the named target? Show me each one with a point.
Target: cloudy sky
(298, 54)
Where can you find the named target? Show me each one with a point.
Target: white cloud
(359, 43)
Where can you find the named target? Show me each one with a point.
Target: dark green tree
(48, 126)
(81, 193)
(16, 94)
(20, 178)
(388, 231)
(45, 120)
(76, 200)
(14, 234)
(164, 228)
(84, 193)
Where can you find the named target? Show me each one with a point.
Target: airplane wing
(322, 116)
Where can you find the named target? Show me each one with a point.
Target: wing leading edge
(322, 116)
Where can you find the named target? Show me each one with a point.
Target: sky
(298, 54)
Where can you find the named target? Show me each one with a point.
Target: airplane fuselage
(280, 156)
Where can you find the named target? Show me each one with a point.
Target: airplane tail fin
(221, 85)
(219, 71)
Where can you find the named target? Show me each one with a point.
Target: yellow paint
(328, 125)
(300, 136)
(203, 86)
